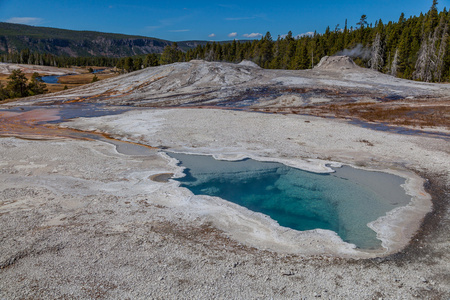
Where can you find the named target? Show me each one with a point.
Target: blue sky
(205, 20)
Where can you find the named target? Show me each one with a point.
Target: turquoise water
(344, 201)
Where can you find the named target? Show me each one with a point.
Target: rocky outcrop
(336, 63)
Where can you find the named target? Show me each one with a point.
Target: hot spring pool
(344, 201)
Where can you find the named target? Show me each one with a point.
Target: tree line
(27, 56)
(414, 48)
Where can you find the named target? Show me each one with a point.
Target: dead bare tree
(210, 55)
(430, 61)
(440, 57)
(394, 66)
(376, 60)
(423, 63)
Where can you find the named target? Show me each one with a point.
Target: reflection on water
(344, 201)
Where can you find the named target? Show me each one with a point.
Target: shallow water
(52, 79)
(74, 110)
(344, 201)
(88, 110)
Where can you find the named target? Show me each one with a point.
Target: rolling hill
(16, 37)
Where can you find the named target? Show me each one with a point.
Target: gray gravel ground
(80, 220)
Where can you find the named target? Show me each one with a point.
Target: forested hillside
(414, 48)
(61, 42)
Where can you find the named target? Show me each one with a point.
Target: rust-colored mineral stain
(31, 125)
(35, 115)
(27, 123)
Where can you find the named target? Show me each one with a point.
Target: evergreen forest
(412, 48)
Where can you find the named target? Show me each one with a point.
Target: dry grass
(4, 78)
(81, 79)
(53, 88)
(72, 81)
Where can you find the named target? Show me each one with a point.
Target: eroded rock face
(336, 63)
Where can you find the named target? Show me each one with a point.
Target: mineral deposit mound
(249, 63)
(336, 63)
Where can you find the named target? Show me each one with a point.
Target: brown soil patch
(164, 177)
(424, 113)
(420, 113)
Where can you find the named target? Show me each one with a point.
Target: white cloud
(212, 35)
(228, 6)
(152, 28)
(239, 19)
(252, 35)
(233, 34)
(167, 23)
(310, 33)
(25, 20)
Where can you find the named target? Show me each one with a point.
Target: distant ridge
(17, 37)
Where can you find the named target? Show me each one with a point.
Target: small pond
(344, 201)
(51, 79)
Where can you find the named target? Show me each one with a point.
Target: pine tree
(151, 60)
(3, 92)
(170, 54)
(36, 85)
(137, 64)
(17, 84)
(362, 22)
(128, 64)
(432, 18)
